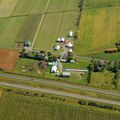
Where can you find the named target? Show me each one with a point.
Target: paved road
(73, 95)
(61, 84)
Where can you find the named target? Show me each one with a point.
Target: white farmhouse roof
(54, 69)
(57, 47)
(62, 39)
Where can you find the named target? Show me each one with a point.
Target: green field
(99, 30)
(101, 3)
(9, 29)
(17, 107)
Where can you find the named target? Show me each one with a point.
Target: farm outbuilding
(69, 45)
(27, 43)
(57, 47)
(65, 74)
(54, 69)
(70, 34)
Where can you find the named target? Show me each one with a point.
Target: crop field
(8, 59)
(101, 3)
(9, 29)
(17, 107)
(6, 7)
(99, 27)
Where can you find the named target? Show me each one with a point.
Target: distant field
(6, 7)
(101, 3)
(20, 107)
(99, 29)
(26, 7)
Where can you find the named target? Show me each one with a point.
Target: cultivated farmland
(6, 7)
(17, 107)
(99, 27)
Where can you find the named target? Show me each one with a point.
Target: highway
(61, 84)
(61, 93)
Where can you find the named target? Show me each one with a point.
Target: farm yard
(43, 108)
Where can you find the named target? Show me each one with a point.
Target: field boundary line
(43, 15)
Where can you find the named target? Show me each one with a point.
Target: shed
(58, 40)
(54, 69)
(57, 47)
(70, 34)
(65, 74)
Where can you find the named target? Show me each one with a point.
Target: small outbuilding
(27, 43)
(69, 45)
(54, 69)
(65, 74)
(57, 47)
(70, 34)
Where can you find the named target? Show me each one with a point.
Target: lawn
(75, 77)
(24, 65)
(99, 29)
(6, 7)
(103, 80)
(17, 107)
(81, 64)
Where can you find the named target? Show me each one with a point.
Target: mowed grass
(6, 7)
(19, 107)
(103, 79)
(1, 93)
(54, 25)
(99, 29)
(9, 29)
(101, 3)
